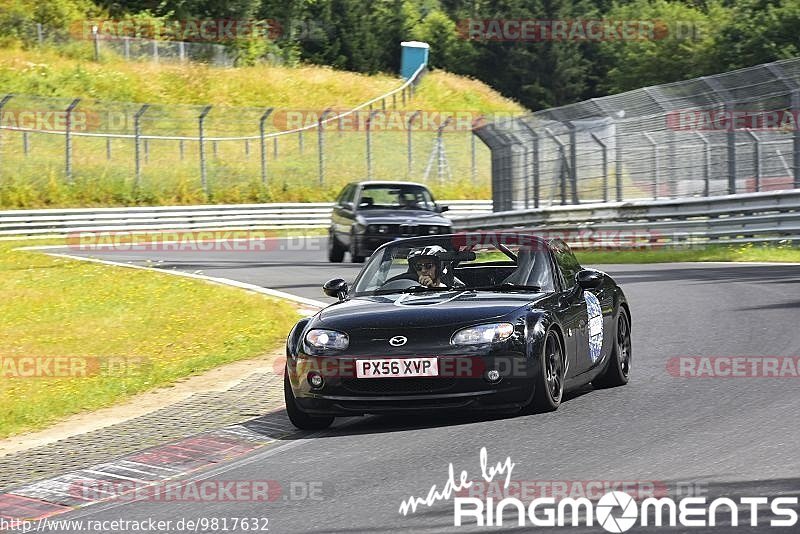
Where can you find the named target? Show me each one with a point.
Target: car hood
(425, 310)
(379, 216)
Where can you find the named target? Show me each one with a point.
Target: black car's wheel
(549, 386)
(355, 258)
(618, 368)
(335, 250)
(298, 417)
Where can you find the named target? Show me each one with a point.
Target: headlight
(485, 333)
(327, 339)
(433, 229)
(383, 229)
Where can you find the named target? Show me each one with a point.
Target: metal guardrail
(228, 216)
(744, 218)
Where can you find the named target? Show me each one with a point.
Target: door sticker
(595, 322)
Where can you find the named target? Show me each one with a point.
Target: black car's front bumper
(462, 384)
(366, 244)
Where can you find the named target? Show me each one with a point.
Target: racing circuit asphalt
(738, 436)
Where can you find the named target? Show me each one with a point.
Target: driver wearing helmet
(428, 266)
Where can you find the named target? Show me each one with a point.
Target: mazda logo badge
(398, 341)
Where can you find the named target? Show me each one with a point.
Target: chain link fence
(127, 47)
(180, 154)
(730, 133)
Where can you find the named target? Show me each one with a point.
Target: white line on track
(212, 279)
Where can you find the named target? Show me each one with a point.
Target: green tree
(681, 47)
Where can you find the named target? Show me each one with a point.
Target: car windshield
(408, 197)
(461, 262)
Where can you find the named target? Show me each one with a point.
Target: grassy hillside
(103, 173)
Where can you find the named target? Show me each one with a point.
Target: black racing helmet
(435, 253)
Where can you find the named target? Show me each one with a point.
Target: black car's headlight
(327, 339)
(485, 333)
(433, 229)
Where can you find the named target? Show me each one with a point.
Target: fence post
(618, 161)
(25, 145)
(573, 160)
(441, 160)
(707, 166)
(181, 51)
(96, 42)
(108, 148)
(796, 137)
(561, 158)
(39, 33)
(155, 51)
(756, 158)
(321, 147)
(2, 104)
(68, 139)
(604, 148)
(180, 148)
(656, 170)
(408, 142)
(275, 147)
(300, 141)
(369, 143)
(137, 134)
(728, 101)
(201, 123)
(534, 165)
(263, 141)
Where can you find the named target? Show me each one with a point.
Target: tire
(549, 386)
(618, 368)
(298, 417)
(335, 250)
(355, 258)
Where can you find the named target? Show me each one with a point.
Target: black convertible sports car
(489, 321)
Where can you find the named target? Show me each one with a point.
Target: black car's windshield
(403, 197)
(453, 263)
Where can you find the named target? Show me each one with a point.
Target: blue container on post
(415, 53)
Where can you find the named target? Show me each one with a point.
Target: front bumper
(366, 244)
(461, 385)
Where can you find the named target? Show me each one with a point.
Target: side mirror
(589, 279)
(348, 206)
(336, 288)
(442, 209)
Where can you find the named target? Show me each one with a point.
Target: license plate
(397, 367)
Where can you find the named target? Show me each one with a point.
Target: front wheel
(298, 417)
(354, 257)
(549, 387)
(335, 250)
(618, 368)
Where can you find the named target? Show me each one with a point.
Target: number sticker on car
(397, 368)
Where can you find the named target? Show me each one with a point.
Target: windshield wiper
(503, 287)
(421, 289)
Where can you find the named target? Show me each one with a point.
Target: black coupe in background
(368, 214)
(488, 321)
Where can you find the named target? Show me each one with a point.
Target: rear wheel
(335, 250)
(618, 368)
(549, 388)
(298, 417)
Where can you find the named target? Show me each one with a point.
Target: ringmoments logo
(615, 511)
